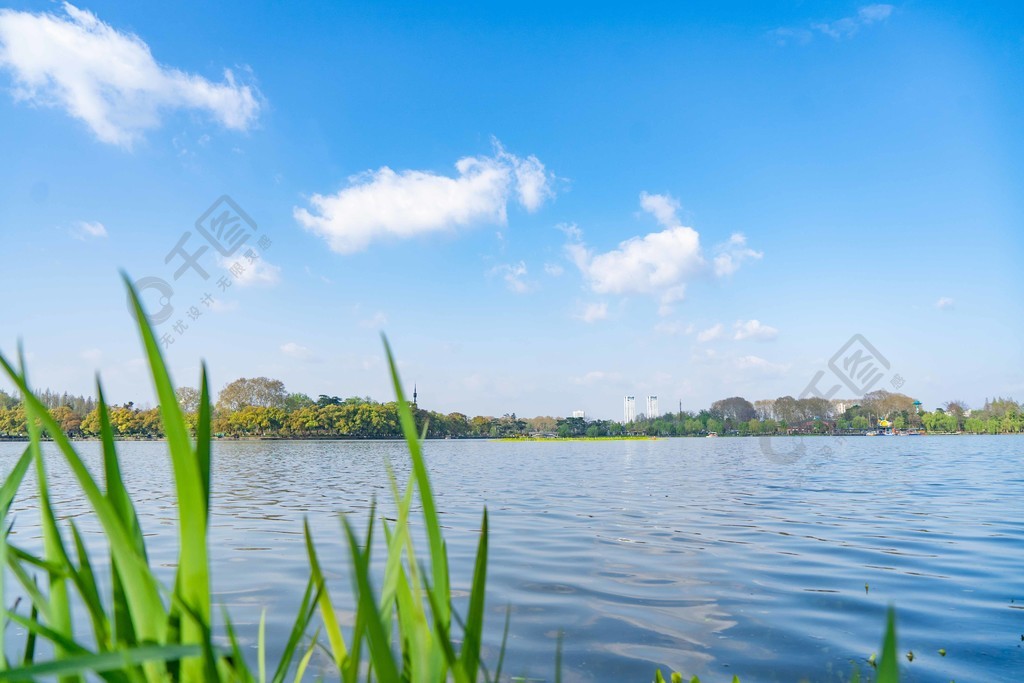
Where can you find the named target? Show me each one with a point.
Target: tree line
(262, 407)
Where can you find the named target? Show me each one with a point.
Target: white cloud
(754, 329)
(594, 312)
(109, 79)
(710, 334)
(944, 303)
(296, 351)
(513, 274)
(375, 322)
(92, 356)
(732, 254)
(84, 230)
(658, 263)
(848, 26)
(553, 269)
(258, 272)
(838, 29)
(386, 203)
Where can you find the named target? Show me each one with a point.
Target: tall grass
(140, 630)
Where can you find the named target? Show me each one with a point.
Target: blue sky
(544, 207)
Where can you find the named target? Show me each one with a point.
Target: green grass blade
(330, 619)
(13, 482)
(261, 647)
(504, 643)
(193, 580)
(378, 640)
(888, 666)
(116, 491)
(238, 669)
(558, 657)
(101, 662)
(473, 632)
(85, 581)
(7, 493)
(300, 671)
(203, 437)
(438, 558)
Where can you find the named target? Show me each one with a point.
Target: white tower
(652, 407)
(629, 409)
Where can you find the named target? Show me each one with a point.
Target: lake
(774, 561)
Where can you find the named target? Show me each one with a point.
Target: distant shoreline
(507, 439)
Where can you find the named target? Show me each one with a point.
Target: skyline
(545, 211)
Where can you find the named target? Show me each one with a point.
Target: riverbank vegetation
(261, 407)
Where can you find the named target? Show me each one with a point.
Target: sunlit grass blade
(438, 556)
(473, 632)
(338, 649)
(102, 662)
(300, 670)
(193, 580)
(888, 666)
(378, 639)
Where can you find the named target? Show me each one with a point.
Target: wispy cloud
(838, 29)
(658, 263)
(296, 351)
(86, 230)
(710, 334)
(107, 78)
(753, 329)
(388, 204)
(944, 303)
(249, 274)
(732, 254)
(594, 312)
(513, 274)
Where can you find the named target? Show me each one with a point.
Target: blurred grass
(143, 631)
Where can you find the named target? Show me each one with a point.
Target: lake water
(708, 556)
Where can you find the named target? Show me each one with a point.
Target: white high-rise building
(579, 413)
(652, 407)
(629, 409)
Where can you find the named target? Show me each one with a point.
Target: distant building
(652, 407)
(629, 409)
(582, 414)
(841, 405)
